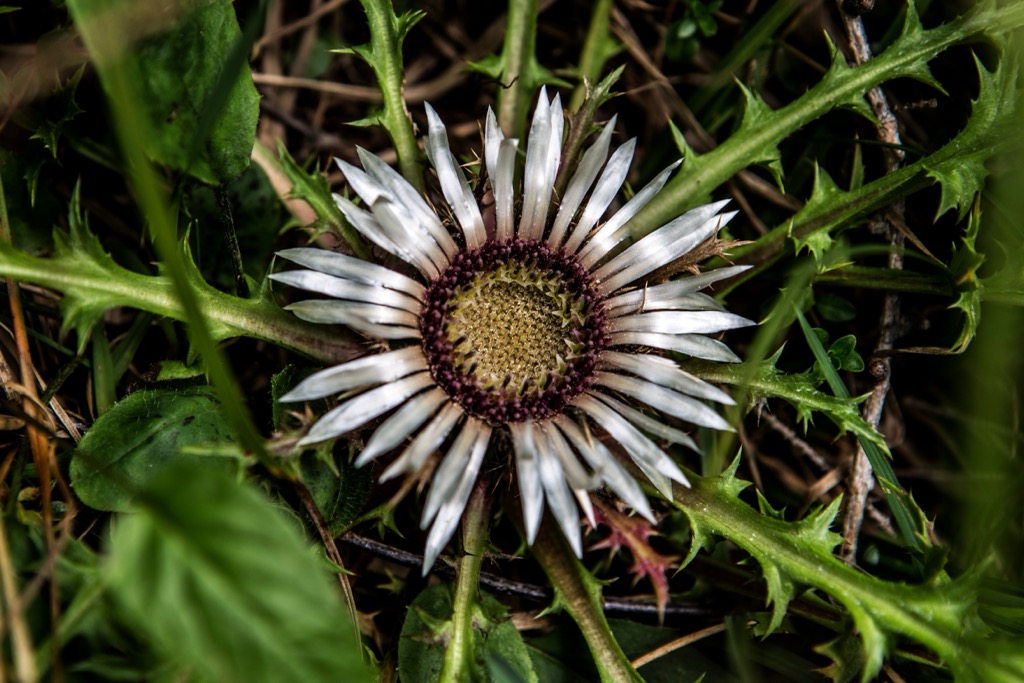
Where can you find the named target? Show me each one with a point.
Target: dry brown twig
(861, 480)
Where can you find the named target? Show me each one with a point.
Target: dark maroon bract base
(501, 405)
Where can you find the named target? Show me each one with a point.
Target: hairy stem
(580, 594)
(517, 56)
(459, 653)
(386, 46)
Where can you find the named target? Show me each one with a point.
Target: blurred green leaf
(834, 308)
(139, 438)
(226, 588)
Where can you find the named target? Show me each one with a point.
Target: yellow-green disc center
(513, 332)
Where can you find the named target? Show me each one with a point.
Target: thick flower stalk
(528, 320)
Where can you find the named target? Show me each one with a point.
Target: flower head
(522, 322)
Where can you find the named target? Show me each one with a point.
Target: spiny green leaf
(492, 65)
(838, 88)
(799, 390)
(374, 118)
(914, 31)
(992, 128)
(363, 51)
(815, 530)
(823, 195)
(781, 591)
(963, 180)
(837, 68)
(400, 25)
(756, 114)
(846, 655)
(727, 482)
(766, 508)
(92, 283)
(755, 111)
(963, 269)
(873, 641)
(685, 151)
(405, 21)
(702, 536)
(81, 311)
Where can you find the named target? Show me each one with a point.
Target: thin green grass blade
(879, 462)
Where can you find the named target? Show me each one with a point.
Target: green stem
(580, 593)
(386, 46)
(458, 656)
(594, 53)
(842, 86)
(517, 56)
(868, 277)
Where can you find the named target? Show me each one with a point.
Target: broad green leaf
(844, 356)
(224, 586)
(202, 120)
(139, 438)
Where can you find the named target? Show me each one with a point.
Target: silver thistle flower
(527, 328)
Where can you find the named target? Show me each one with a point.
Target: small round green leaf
(139, 437)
